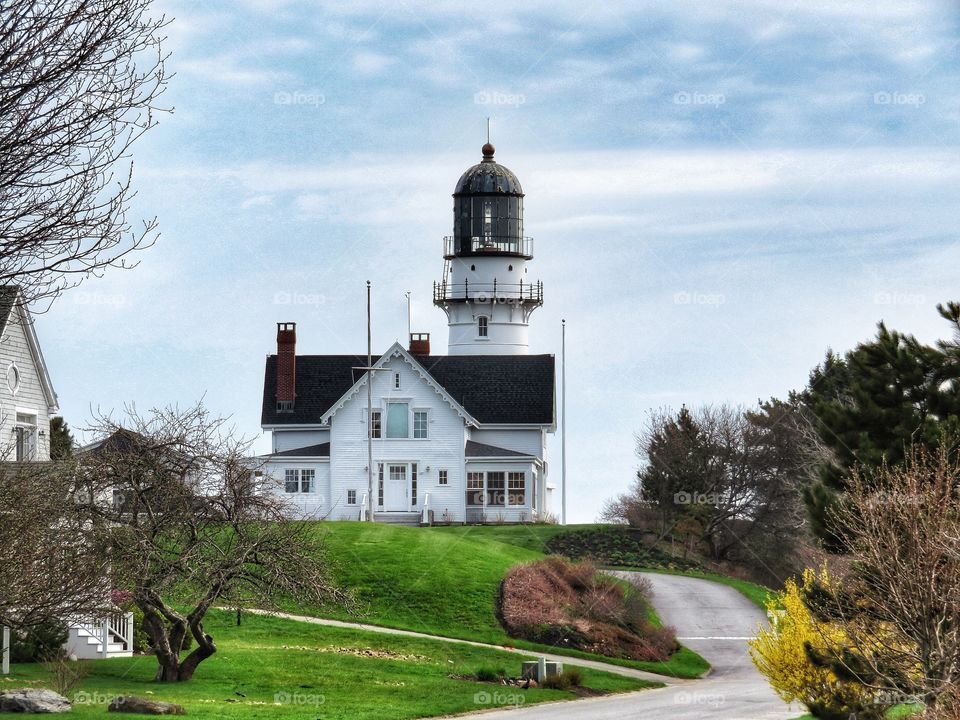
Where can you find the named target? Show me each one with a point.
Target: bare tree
(728, 478)
(899, 603)
(79, 81)
(50, 568)
(193, 524)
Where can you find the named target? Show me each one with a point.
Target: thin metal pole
(409, 323)
(369, 413)
(563, 422)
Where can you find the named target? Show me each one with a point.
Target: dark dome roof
(488, 176)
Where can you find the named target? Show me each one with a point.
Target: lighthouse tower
(486, 291)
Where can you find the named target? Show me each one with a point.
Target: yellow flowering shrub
(779, 653)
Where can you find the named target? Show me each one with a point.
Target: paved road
(714, 620)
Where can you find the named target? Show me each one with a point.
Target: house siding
(15, 349)
(293, 439)
(526, 441)
(443, 448)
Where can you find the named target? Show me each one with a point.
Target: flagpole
(369, 412)
(563, 422)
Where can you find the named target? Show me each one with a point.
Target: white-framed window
(396, 381)
(13, 378)
(413, 484)
(516, 488)
(482, 326)
(496, 488)
(398, 420)
(351, 497)
(376, 424)
(26, 436)
(442, 478)
(475, 489)
(299, 480)
(421, 419)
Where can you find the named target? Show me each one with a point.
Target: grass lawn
(530, 537)
(274, 668)
(440, 582)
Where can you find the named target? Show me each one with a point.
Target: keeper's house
(455, 438)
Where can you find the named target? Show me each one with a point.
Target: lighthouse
(486, 291)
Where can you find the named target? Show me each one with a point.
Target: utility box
(541, 669)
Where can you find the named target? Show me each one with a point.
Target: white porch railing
(425, 518)
(102, 637)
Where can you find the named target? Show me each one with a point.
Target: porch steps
(410, 519)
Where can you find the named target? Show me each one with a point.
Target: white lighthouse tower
(486, 291)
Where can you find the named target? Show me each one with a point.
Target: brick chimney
(286, 366)
(419, 343)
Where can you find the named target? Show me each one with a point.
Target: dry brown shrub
(560, 602)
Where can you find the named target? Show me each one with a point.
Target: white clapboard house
(27, 401)
(460, 437)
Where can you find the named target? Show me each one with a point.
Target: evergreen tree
(61, 439)
(872, 405)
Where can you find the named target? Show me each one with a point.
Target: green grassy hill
(274, 668)
(445, 582)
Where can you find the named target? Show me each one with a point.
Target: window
(398, 420)
(482, 326)
(26, 436)
(516, 488)
(306, 481)
(285, 406)
(420, 424)
(413, 484)
(495, 488)
(376, 424)
(396, 381)
(13, 378)
(475, 488)
(351, 497)
(298, 480)
(380, 484)
(442, 477)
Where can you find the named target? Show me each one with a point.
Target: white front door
(396, 490)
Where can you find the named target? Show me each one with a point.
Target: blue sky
(718, 191)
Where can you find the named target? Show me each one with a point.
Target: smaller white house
(455, 438)
(27, 398)
(27, 402)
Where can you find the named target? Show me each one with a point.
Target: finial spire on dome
(488, 149)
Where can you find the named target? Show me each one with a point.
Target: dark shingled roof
(480, 450)
(510, 389)
(321, 450)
